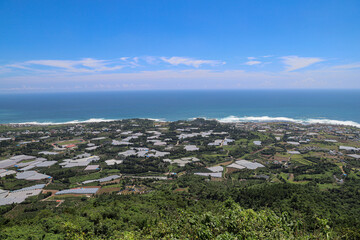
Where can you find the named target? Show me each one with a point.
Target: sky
(88, 45)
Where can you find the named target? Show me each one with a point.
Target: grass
(299, 159)
(214, 155)
(75, 141)
(348, 143)
(67, 197)
(111, 171)
(118, 185)
(230, 147)
(282, 155)
(25, 161)
(14, 184)
(74, 185)
(241, 141)
(91, 176)
(285, 176)
(314, 176)
(323, 145)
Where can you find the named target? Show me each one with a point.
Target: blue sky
(129, 45)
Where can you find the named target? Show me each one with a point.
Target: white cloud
(90, 65)
(151, 75)
(251, 58)
(151, 60)
(189, 79)
(136, 59)
(190, 61)
(54, 63)
(250, 63)
(74, 66)
(295, 62)
(348, 66)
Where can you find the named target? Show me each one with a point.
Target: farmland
(146, 170)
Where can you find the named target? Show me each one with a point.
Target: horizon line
(181, 90)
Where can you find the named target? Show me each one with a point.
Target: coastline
(229, 119)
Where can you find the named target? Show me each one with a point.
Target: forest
(193, 208)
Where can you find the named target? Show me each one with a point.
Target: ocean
(307, 106)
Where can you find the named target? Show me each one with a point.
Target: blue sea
(307, 106)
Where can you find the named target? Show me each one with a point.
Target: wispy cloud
(154, 72)
(348, 66)
(74, 66)
(250, 63)
(91, 65)
(190, 61)
(151, 60)
(190, 79)
(294, 62)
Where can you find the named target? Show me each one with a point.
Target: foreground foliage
(206, 211)
(229, 221)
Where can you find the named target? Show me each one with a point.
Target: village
(63, 163)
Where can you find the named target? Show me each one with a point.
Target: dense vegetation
(203, 210)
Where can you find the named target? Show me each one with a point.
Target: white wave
(334, 122)
(193, 118)
(231, 119)
(91, 120)
(256, 119)
(155, 119)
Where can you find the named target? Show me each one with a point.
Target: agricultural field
(194, 165)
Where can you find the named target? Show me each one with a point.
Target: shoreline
(229, 119)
